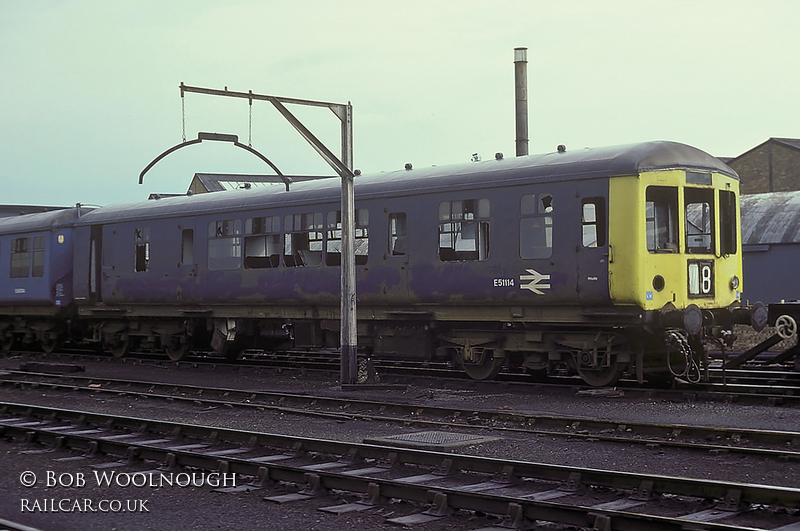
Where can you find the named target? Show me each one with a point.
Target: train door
(187, 261)
(95, 263)
(397, 257)
(593, 252)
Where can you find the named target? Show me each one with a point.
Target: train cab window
(225, 244)
(37, 265)
(699, 220)
(593, 221)
(464, 230)
(333, 245)
(397, 234)
(141, 237)
(302, 244)
(187, 246)
(661, 219)
(727, 222)
(536, 226)
(21, 258)
(262, 242)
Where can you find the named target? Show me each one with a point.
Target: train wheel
(118, 346)
(50, 341)
(486, 368)
(177, 347)
(602, 376)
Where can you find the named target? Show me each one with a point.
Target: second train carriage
(598, 259)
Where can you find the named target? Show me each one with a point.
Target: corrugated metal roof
(793, 142)
(220, 182)
(770, 218)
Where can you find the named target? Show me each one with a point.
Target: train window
(187, 246)
(302, 244)
(333, 246)
(464, 230)
(536, 226)
(727, 222)
(141, 237)
(397, 234)
(593, 222)
(661, 219)
(699, 220)
(37, 267)
(224, 244)
(21, 258)
(262, 242)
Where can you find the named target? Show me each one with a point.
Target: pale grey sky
(89, 92)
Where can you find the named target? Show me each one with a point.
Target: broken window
(333, 246)
(262, 242)
(593, 222)
(302, 244)
(536, 226)
(699, 220)
(187, 246)
(21, 258)
(224, 244)
(464, 230)
(397, 234)
(661, 219)
(141, 237)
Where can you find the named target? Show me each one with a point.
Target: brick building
(773, 166)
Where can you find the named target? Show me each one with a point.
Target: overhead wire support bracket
(341, 110)
(217, 137)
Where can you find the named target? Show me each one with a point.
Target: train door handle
(610, 253)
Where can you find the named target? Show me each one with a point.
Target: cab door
(593, 252)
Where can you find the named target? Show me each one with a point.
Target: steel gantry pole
(344, 167)
(349, 330)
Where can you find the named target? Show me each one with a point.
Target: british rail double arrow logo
(534, 281)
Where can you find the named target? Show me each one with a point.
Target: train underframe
(597, 345)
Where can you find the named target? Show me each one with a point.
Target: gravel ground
(201, 508)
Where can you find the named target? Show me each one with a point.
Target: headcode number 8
(705, 277)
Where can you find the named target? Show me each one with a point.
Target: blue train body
(492, 264)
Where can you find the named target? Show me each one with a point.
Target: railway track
(743, 386)
(783, 445)
(523, 492)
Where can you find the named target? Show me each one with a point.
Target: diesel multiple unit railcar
(599, 260)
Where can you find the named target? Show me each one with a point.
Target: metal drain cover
(432, 440)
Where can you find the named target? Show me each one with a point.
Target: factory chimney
(521, 96)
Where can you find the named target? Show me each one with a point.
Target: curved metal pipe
(216, 137)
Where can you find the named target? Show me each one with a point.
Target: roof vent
(408, 166)
(562, 148)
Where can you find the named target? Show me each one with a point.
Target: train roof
(589, 163)
(770, 218)
(41, 221)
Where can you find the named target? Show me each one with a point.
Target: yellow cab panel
(674, 239)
